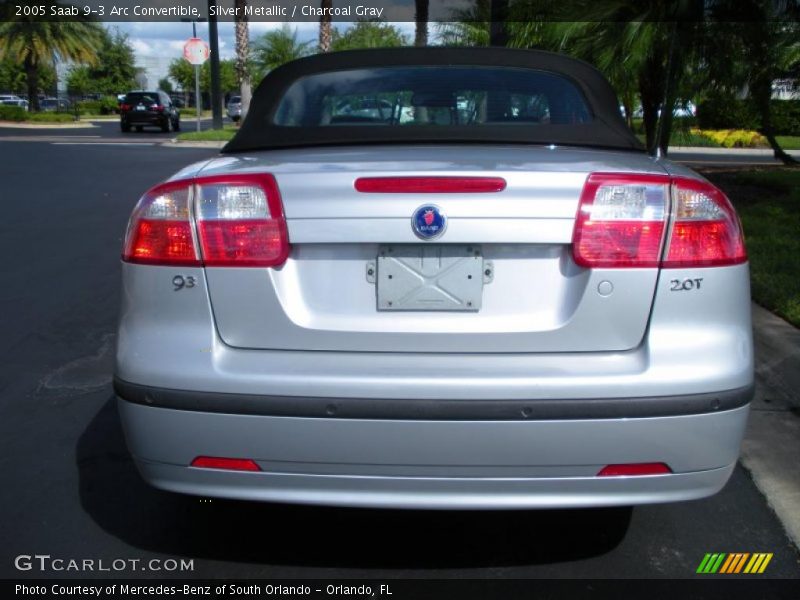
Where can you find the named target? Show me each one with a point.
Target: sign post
(196, 52)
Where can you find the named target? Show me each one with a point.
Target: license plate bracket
(430, 277)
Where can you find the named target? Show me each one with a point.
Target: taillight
(705, 228)
(160, 230)
(239, 222)
(622, 221)
(124, 107)
(157, 108)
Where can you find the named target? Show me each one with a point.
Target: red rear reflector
(430, 185)
(231, 464)
(634, 469)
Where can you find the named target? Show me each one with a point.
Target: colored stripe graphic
(711, 563)
(758, 563)
(734, 562)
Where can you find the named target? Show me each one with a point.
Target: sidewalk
(771, 449)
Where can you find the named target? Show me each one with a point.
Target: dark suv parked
(148, 108)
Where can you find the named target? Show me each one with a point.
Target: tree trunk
(761, 93)
(651, 92)
(32, 80)
(325, 26)
(421, 19)
(498, 32)
(242, 55)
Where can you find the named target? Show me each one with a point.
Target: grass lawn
(789, 142)
(210, 135)
(768, 202)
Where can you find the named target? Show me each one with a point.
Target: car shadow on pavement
(119, 501)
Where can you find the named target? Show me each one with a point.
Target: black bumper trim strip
(433, 410)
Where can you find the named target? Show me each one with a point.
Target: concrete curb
(12, 125)
(728, 151)
(174, 143)
(771, 448)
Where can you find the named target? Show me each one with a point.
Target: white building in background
(786, 89)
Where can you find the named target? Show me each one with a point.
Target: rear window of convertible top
(432, 95)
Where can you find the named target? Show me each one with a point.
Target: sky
(157, 44)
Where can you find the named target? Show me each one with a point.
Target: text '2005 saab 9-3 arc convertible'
(435, 278)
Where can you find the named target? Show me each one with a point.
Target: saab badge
(428, 222)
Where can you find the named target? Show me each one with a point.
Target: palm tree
(243, 54)
(325, 26)
(642, 47)
(38, 44)
(768, 48)
(421, 22)
(467, 26)
(278, 47)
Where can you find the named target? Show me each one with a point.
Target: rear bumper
(434, 463)
(433, 409)
(146, 118)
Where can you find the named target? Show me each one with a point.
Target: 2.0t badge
(428, 222)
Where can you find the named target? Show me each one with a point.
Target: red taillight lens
(633, 469)
(621, 221)
(124, 107)
(230, 464)
(430, 185)
(239, 219)
(157, 108)
(705, 229)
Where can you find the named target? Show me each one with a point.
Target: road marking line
(102, 143)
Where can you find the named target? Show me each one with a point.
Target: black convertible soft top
(604, 129)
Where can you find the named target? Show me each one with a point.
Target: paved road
(71, 491)
(97, 132)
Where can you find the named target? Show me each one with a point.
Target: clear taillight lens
(239, 220)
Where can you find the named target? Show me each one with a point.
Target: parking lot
(72, 490)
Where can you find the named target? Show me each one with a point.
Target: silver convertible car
(435, 278)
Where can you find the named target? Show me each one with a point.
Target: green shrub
(51, 117)
(105, 106)
(786, 117)
(734, 138)
(720, 111)
(13, 113)
(723, 112)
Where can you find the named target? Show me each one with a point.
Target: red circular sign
(196, 51)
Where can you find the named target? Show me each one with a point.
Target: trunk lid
(531, 296)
